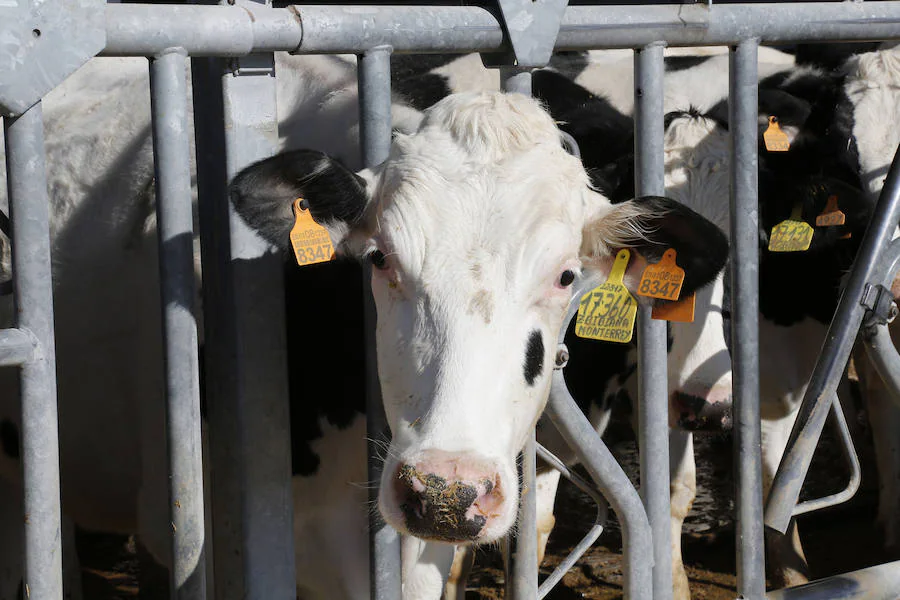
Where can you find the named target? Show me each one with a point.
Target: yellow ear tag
(792, 235)
(776, 140)
(662, 280)
(310, 240)
(832, 215)
(608, 311)
(681, 311)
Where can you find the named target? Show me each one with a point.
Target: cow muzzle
(698, 414)
(451, 497)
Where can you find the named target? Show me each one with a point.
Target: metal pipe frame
(374, 77)
(877, 338)
(175, 229)
(522, 578)
(613, 483)
(17, 347)
(29, 206)
(653, 384)
(146, 30)
(874, 583)
(743, 108)
(839, 341)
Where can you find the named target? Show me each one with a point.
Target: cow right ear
(263, 194)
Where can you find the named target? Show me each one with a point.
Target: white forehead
(484, 173)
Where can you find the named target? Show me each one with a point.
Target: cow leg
(425, 568)
(787, 563)
(463, 561)
(683, 489)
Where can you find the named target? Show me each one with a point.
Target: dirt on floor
(837, 540)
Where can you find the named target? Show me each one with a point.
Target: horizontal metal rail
(145, 30)
(17, 347)
(875, 583)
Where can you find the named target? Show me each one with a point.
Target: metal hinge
(880, 304)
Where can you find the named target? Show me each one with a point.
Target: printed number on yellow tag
(662, 280)
(791, 235)
(832, 215)
(776, 140)
(608, 311)
(310, 240)
(681, 311)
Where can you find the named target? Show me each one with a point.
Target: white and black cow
(471, 285)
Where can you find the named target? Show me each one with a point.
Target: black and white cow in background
(471, 285)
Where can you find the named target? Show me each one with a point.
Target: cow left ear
(650, 225)
(264, 194)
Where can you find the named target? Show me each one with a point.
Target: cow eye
(567, 277)
(378, 260)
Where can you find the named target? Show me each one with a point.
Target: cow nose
(448, 499)
(698, 414)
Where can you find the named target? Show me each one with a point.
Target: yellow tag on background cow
(310, 240)
(776, 140)
(832, 215)
(792, 235)
(608, 311)
(662, 280)
(681, 311)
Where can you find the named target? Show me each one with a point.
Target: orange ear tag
(608, 311)
(310, 240)
(832, 215)
(662, 280)
(791, 235)
(776, 140)
(681, 311)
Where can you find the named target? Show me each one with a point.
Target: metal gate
(231, 47)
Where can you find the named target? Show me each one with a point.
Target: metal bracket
(41, 43)
(531, 27)
(880, 302)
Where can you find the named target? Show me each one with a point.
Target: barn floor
(837, 540)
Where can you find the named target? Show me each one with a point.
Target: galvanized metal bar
(231, 31)
(881, 351)
(849, 452)
(175, 228)
(874, 583)
(29, 207)
(374, 80)
(592, 534)
(835, 353)
(743, 107)
(653, 392)
(637, 540)
(522, 578)
(245, 345)
(16, 347)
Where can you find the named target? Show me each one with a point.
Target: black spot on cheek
(9, 439)
(534, 357)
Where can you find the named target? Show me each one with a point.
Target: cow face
(476, 227)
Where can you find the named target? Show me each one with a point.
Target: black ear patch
(534, 357)
(701, 247)
(264, 192)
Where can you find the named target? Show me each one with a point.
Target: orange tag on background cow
(663, 279)
(681, 311)
(832, 215)
(791, 235)
(776, 140)
(608, 311)
(310, 240)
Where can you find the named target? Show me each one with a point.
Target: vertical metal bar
(522, 578)
(653, 406)
(743, 108)
(171, 156)
(374, 80)
(30, 217)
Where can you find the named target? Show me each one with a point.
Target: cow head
(476, 227)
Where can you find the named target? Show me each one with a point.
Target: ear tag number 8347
(662, 280)
(608, 311)
(310, 240)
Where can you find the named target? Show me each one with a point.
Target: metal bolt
(562, 356)
(36, 33)
(892, 312)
